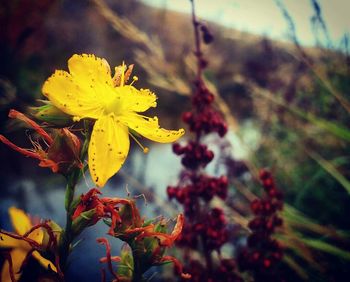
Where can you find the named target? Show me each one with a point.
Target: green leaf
(147, 222)
(126, 265)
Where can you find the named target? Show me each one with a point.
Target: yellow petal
(20, 221)
(72, 98)
(18, 256)
(108, 148)
(149, 128)
(43, 261)
(8, 242)
(88, 69)
(136, 100)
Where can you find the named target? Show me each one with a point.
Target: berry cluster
(224, 272)
(203, 118)
(205, 229)
(263, 251)
(206, 122)
(212, 228)
(203, 186)
(195, 155)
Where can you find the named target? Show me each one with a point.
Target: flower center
(114, 106)
(116, 103)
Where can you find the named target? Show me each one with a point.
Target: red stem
(198, 51)
(199, 84)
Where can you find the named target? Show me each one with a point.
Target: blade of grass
(296, 219)
(325, 80)
(332, 127)
(331, 169)
(291, 241)
(326, 247)
(295, 266)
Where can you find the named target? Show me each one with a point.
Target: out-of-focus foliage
(296, 98)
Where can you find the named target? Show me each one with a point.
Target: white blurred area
(265, 18)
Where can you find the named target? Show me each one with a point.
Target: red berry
(187, 117)
(267, 263)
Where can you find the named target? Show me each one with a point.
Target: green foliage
(126, 264)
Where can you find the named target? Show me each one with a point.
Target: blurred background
(280, 71)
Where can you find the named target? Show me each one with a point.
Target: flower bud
(62, 152)
(65, 150)
(52, 115)
(84, 220)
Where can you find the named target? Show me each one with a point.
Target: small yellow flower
(20, 248)
(89, 91)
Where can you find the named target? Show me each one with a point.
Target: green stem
(138, 267)
(72, 180)
(67, 236)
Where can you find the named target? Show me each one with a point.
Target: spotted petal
(149, 128)
(108, 148)
(89, 69)
(136, 100)
(70, 97)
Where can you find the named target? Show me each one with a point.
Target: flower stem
(138, 269)
(198, 52)
(67, 236)
(72, 180)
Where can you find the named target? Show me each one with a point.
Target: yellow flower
(89, 91)
(20, 248)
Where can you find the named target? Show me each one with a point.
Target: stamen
(145, 149)
(127, 190)
(36, 145)
(134, 79)
(142, 196)
(123, 74)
